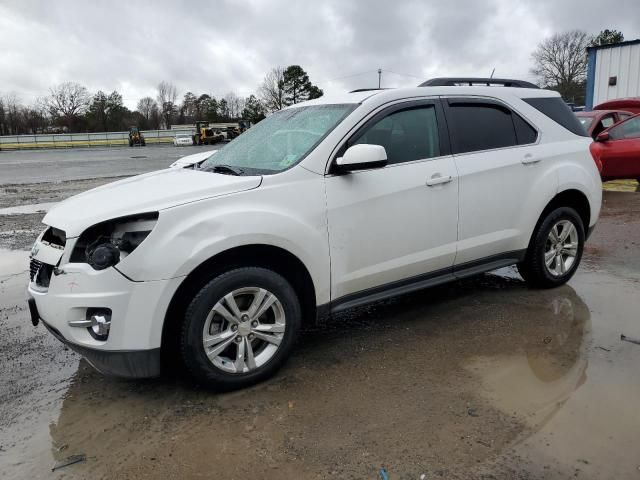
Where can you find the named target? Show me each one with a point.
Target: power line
(402, 74)
(352, 75)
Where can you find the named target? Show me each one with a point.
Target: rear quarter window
(559, 112)
(477, 125)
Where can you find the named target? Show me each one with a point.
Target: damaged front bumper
(64, 295)
(125, 364)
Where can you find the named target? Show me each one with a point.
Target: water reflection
(368, 383)
(548, 361)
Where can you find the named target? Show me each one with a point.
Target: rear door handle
(529, 158)
(438, 179)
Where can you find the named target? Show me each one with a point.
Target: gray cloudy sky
(131, 46)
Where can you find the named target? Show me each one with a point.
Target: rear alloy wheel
(555, 250)
(561, 248)
(240, 328)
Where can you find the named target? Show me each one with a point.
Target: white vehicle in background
(182, 140)
(326, 205)
(190, 161)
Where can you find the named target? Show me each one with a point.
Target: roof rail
(470, 81)
(367, 89)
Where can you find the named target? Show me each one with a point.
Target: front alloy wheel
(244, 330)
(240, 328)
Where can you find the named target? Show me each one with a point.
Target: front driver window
(406, 135)
(627, 129)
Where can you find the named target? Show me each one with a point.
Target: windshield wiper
(226, 170)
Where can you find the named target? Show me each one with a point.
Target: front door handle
(438, 179)
(529, 159)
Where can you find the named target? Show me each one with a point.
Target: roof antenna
(492, 72)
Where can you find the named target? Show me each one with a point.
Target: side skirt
(420, 282)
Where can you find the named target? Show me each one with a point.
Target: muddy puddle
(481, 377)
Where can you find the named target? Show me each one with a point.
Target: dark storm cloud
(217, 47)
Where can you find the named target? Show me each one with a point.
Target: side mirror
(362, 157)
(602, 137)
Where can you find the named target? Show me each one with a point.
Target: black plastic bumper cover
(120, 363)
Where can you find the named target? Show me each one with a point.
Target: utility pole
(379, 77)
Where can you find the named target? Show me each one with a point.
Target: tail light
(594, 148)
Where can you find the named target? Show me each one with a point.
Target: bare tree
(35, 117)
(147, 106)
(3, 126)
(235, 105)
(67, 101)
(561, 62)
(272, 90)
(13, 114)
(167, 96)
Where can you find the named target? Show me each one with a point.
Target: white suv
(323, 206)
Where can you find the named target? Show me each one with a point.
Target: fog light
(100, 322)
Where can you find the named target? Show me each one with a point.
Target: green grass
(621, 186)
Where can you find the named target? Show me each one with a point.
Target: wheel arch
(572, 198)
(274, 258)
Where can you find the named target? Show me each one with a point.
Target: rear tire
(240, 328)
(555, 249)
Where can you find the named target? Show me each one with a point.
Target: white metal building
(613, 72)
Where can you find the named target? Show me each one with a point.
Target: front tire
(240, 328)
(555, 250)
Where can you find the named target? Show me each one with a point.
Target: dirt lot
(479, 379)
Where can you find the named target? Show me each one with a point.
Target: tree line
(70, 107)
(560, 61)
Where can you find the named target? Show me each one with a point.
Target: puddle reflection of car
(182, 140)
(326, 205)
(548, 364)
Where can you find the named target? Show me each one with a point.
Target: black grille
(34, 268)
(40, 273)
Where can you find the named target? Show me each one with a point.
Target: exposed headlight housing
(105, 244)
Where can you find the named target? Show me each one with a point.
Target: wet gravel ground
(18, 231)
(479, 379)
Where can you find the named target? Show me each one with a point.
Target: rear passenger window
(479, 126)
(406, 135)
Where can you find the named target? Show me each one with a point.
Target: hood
(190, 160)
(150, 192)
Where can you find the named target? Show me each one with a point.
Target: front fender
(188, 235)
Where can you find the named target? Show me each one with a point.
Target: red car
(597, 121)
(616, 150)
(631, 104)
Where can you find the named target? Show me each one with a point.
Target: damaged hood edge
(149, 192)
